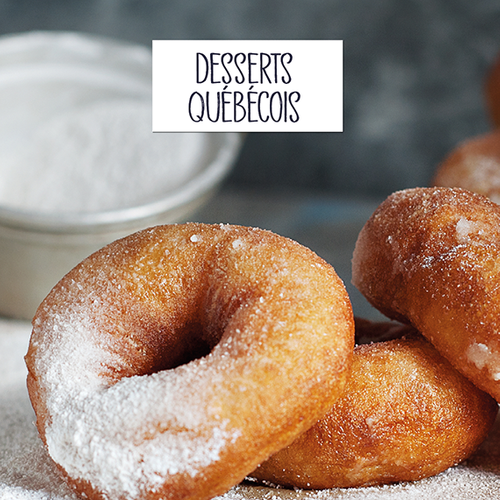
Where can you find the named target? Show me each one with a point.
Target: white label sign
(247, 86)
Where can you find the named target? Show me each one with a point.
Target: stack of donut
(178, 361)
(171, 363)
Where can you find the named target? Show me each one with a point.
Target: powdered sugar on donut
(429, 256)
(98, 438)
(95, 433)
(482, 356)
(163, 365)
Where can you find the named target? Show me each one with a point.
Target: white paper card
(247, 85)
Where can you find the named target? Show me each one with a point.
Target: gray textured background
(413, 77)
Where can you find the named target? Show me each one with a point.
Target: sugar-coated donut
(172, 362)
(431, 257)
(492, 92)
(405, 414)
(473, 165)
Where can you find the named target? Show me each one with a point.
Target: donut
(172, 362)
(431, 257)
(492, 92)
(474, 165)
(405, 414)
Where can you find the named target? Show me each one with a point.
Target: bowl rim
(111, 220)
(75, 223)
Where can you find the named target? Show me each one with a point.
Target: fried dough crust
(405, 414)
(172, 362)
(473, 165)
(431, 257)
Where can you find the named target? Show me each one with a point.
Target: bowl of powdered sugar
(79, 164)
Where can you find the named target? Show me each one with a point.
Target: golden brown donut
(163, 365)
(473, 165)
(492, 92)
(431, 257)
(405, 414)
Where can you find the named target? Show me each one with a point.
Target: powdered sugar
(113, 433)
(25, 470)
(99, 157)
(100, 437)
(75, 127)
(483, 356)
(467, 228)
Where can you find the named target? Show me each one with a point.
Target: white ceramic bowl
(49, 78)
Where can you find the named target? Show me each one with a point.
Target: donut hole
(161, 343)
(160, 349)
(191, 343)
(191, 338)
(153, 348)
(172, 330)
